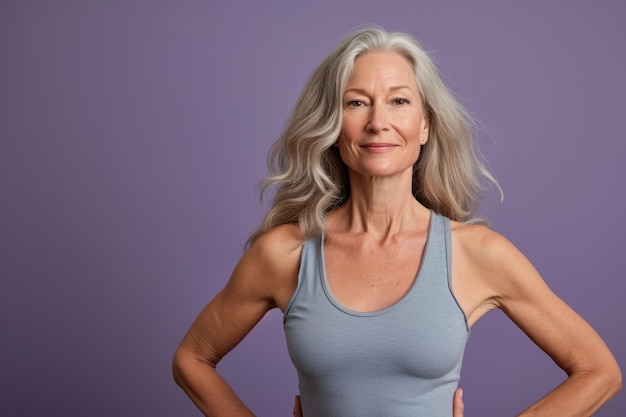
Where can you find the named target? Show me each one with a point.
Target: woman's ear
(424, 135)
(425, 129)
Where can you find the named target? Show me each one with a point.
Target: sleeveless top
(403, 360)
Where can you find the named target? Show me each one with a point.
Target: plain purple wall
(132, 135)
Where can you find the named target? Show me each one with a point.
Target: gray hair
(307, 173)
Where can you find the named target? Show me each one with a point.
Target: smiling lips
(379, 147)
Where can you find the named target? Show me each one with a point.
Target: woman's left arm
(517, 288)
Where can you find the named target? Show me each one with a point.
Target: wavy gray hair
(307, 172)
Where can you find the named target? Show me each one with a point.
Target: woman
(372, 252)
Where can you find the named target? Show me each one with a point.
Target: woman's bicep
(224, 321)
(258, 283)
(555, 327)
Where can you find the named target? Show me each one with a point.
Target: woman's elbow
(181, 362)
(188, 364)
(610, 381)
(616, 381)
(177, 369)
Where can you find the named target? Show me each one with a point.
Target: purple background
(132, 135)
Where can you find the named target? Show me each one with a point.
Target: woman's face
(383, 120)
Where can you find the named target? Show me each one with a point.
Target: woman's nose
(378, 119)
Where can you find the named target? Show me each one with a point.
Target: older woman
(372, 251)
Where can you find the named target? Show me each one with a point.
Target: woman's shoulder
(490, 270)
(473, 233)
(288, 236)
(281, 244)
(492, 258)
(482, 244)
(275, 259)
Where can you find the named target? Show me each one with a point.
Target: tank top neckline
(410, 292)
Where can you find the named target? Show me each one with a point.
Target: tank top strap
(447, 235)
(310, 272)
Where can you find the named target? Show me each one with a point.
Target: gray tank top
(403, 360)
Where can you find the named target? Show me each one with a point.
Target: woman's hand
(457, 405)
(297, 409)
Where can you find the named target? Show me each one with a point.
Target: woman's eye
(355, 103)
(401, 100)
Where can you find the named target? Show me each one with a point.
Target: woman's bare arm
(265, 277)
(516, 287)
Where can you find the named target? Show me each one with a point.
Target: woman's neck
(380, 207)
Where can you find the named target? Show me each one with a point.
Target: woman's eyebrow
(363, 91)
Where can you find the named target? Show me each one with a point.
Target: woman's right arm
(265, 277)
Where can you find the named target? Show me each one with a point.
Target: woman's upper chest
(365, 274)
